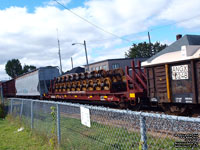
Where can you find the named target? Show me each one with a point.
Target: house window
(104, 67)
(97, 68)
(115, 66)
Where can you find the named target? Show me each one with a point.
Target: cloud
(3, 75)
(181, 10)
(32, 37)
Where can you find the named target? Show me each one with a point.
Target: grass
(10, 139)
(100, 136)
(106, 137)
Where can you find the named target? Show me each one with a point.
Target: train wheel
(97, 88)
(78, 89)
(174, 110)
(123, 103)
(102, 73)
(107, 84)
(124, 79)
(90, 85)
(98, 85)
(136, 104)
(119, 72)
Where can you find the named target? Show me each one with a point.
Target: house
(186, 47)
(110, 64)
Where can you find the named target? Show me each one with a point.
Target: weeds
(52, 140)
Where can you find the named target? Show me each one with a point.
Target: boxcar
(9, 88)
(175, 85)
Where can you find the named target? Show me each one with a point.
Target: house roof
(174, 47)
(141, 59)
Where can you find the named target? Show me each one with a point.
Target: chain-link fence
(89, 127)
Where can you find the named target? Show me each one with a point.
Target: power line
(116, 36)
(108, 32)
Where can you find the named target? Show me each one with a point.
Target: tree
(13, 68)
(144, 50)
(28, 68)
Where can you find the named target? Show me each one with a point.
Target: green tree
(13, 68)
(28, 68)
(144, 50)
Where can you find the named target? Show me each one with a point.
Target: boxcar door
(181, 83)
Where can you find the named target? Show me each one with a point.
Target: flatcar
(170, 80)
(113, 86)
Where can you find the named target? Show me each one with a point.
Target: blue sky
(31, 4)
(28, 28)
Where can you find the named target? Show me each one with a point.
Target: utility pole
(59, 53)
(86, 56)
(84, 43)
(150, 51)
(72, 62)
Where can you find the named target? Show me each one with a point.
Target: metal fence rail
(89, 127)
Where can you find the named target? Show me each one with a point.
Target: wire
(116, 36)
(157, 28)
(108, 32)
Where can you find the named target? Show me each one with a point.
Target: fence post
(21, 111)
(11, 106)
(32, 119)
(58, 123)
(143, 140)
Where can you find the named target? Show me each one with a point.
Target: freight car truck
(36, 83)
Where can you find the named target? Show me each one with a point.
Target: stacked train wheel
(112, 80)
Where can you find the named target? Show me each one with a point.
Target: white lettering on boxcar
(180, 72)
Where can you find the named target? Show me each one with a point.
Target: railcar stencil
(180, 72)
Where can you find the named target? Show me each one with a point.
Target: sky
(28, 28)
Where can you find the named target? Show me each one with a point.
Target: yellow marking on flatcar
(105, 96)
(167, 82)
(132, 95)
(75, 96)
(91, 96)
(65, 95)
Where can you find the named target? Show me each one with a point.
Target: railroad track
(142, 109)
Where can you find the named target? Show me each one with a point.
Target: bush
(2, 111)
